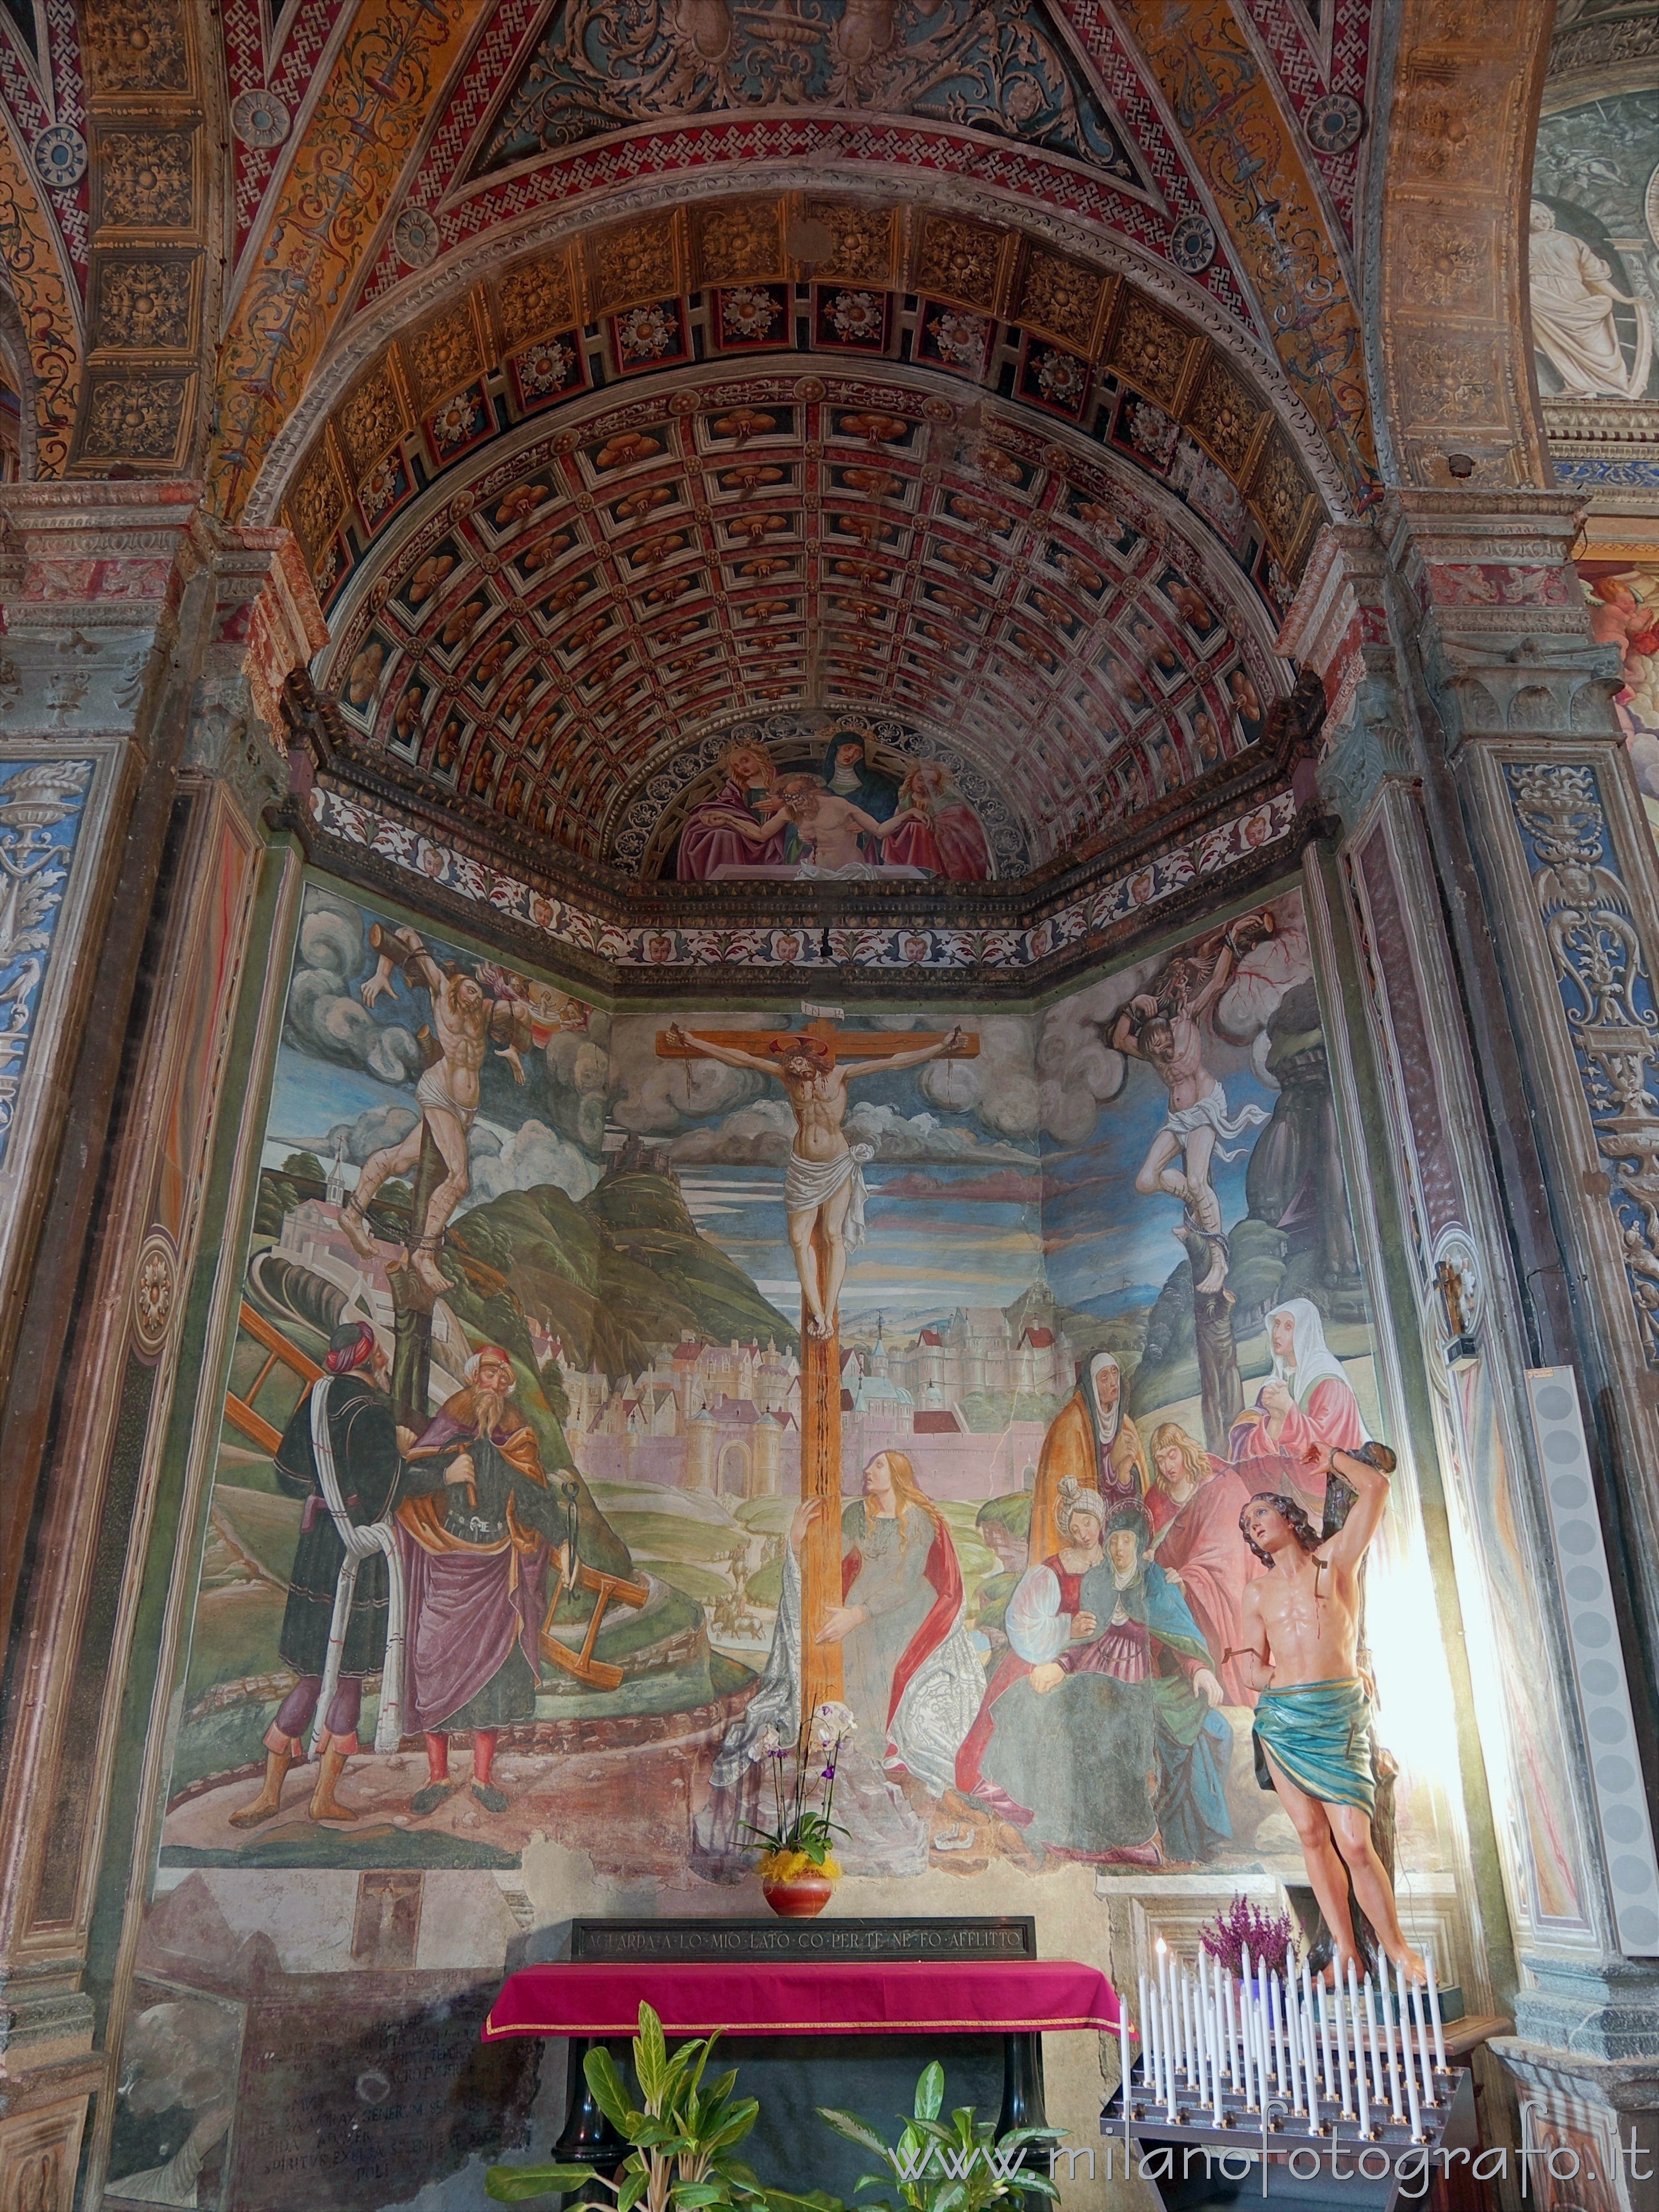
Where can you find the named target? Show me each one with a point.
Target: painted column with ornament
(1496, 883)
(143, 653)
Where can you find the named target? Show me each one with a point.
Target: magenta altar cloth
(801, 1997)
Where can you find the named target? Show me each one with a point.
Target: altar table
(925, 2000)
(952, 1996)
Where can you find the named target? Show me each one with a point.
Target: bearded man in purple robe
(477, 1526)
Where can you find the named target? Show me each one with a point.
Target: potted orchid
(797, 1870)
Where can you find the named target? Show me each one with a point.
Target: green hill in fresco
(618, 1274)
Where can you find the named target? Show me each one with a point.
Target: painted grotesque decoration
(1011, 74)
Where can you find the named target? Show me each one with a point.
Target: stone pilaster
(144, 646)
(1501, 888)
(1338, 628)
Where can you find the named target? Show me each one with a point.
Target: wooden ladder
(587, 1669)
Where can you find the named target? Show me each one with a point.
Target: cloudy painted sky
(953, 1217)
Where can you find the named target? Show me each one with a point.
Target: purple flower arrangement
(1268, 1937)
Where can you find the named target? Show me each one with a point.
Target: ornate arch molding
(424, 300)
(42, 308)
(1455, 360)
(156, 133)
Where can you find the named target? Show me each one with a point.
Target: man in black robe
(366, 1457)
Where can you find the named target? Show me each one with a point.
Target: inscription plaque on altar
(665, 1942)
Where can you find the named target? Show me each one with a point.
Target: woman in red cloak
(909, 1673)
(741, 825)
(1193, 1505)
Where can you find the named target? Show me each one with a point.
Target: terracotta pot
(799, 1896)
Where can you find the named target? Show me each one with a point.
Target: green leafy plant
(681, 2140)
(961, 2165)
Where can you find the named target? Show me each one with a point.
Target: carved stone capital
(1338, 622)
(1338, 630)
(266, 626)
(1544, 684)
(266, 620)
(91, 578)
(1375, 744)
(101, 555)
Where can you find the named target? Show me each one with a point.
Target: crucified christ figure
(824, 1185)
(1164, 1030)
(465, 1022)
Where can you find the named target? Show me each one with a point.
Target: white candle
(1231, 2031)
(1434, 2015)
(1246, 2002)
(1276, 2021)
(1260, 2019)
(1166, 2038)
(1212, 2051)
(1358, 2053)
(1422, 2043)
(1186, 2027)
(1359, 2071)
(1293, 2042)
(1386, 1995)
(1147, 2037)
(1377, 2090)
(1327, 2065)
(1406, 2050)
(1312, 2065)
(1342, 2047)
(1165, 2075)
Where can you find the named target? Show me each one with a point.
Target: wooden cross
(820, 1378)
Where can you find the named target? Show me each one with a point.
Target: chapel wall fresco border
(200, 1347)
(370, 846)
(1406, 1389)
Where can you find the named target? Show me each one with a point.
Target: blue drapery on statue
(1321, 1735)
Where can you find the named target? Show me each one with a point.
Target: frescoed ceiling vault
(627, 373)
